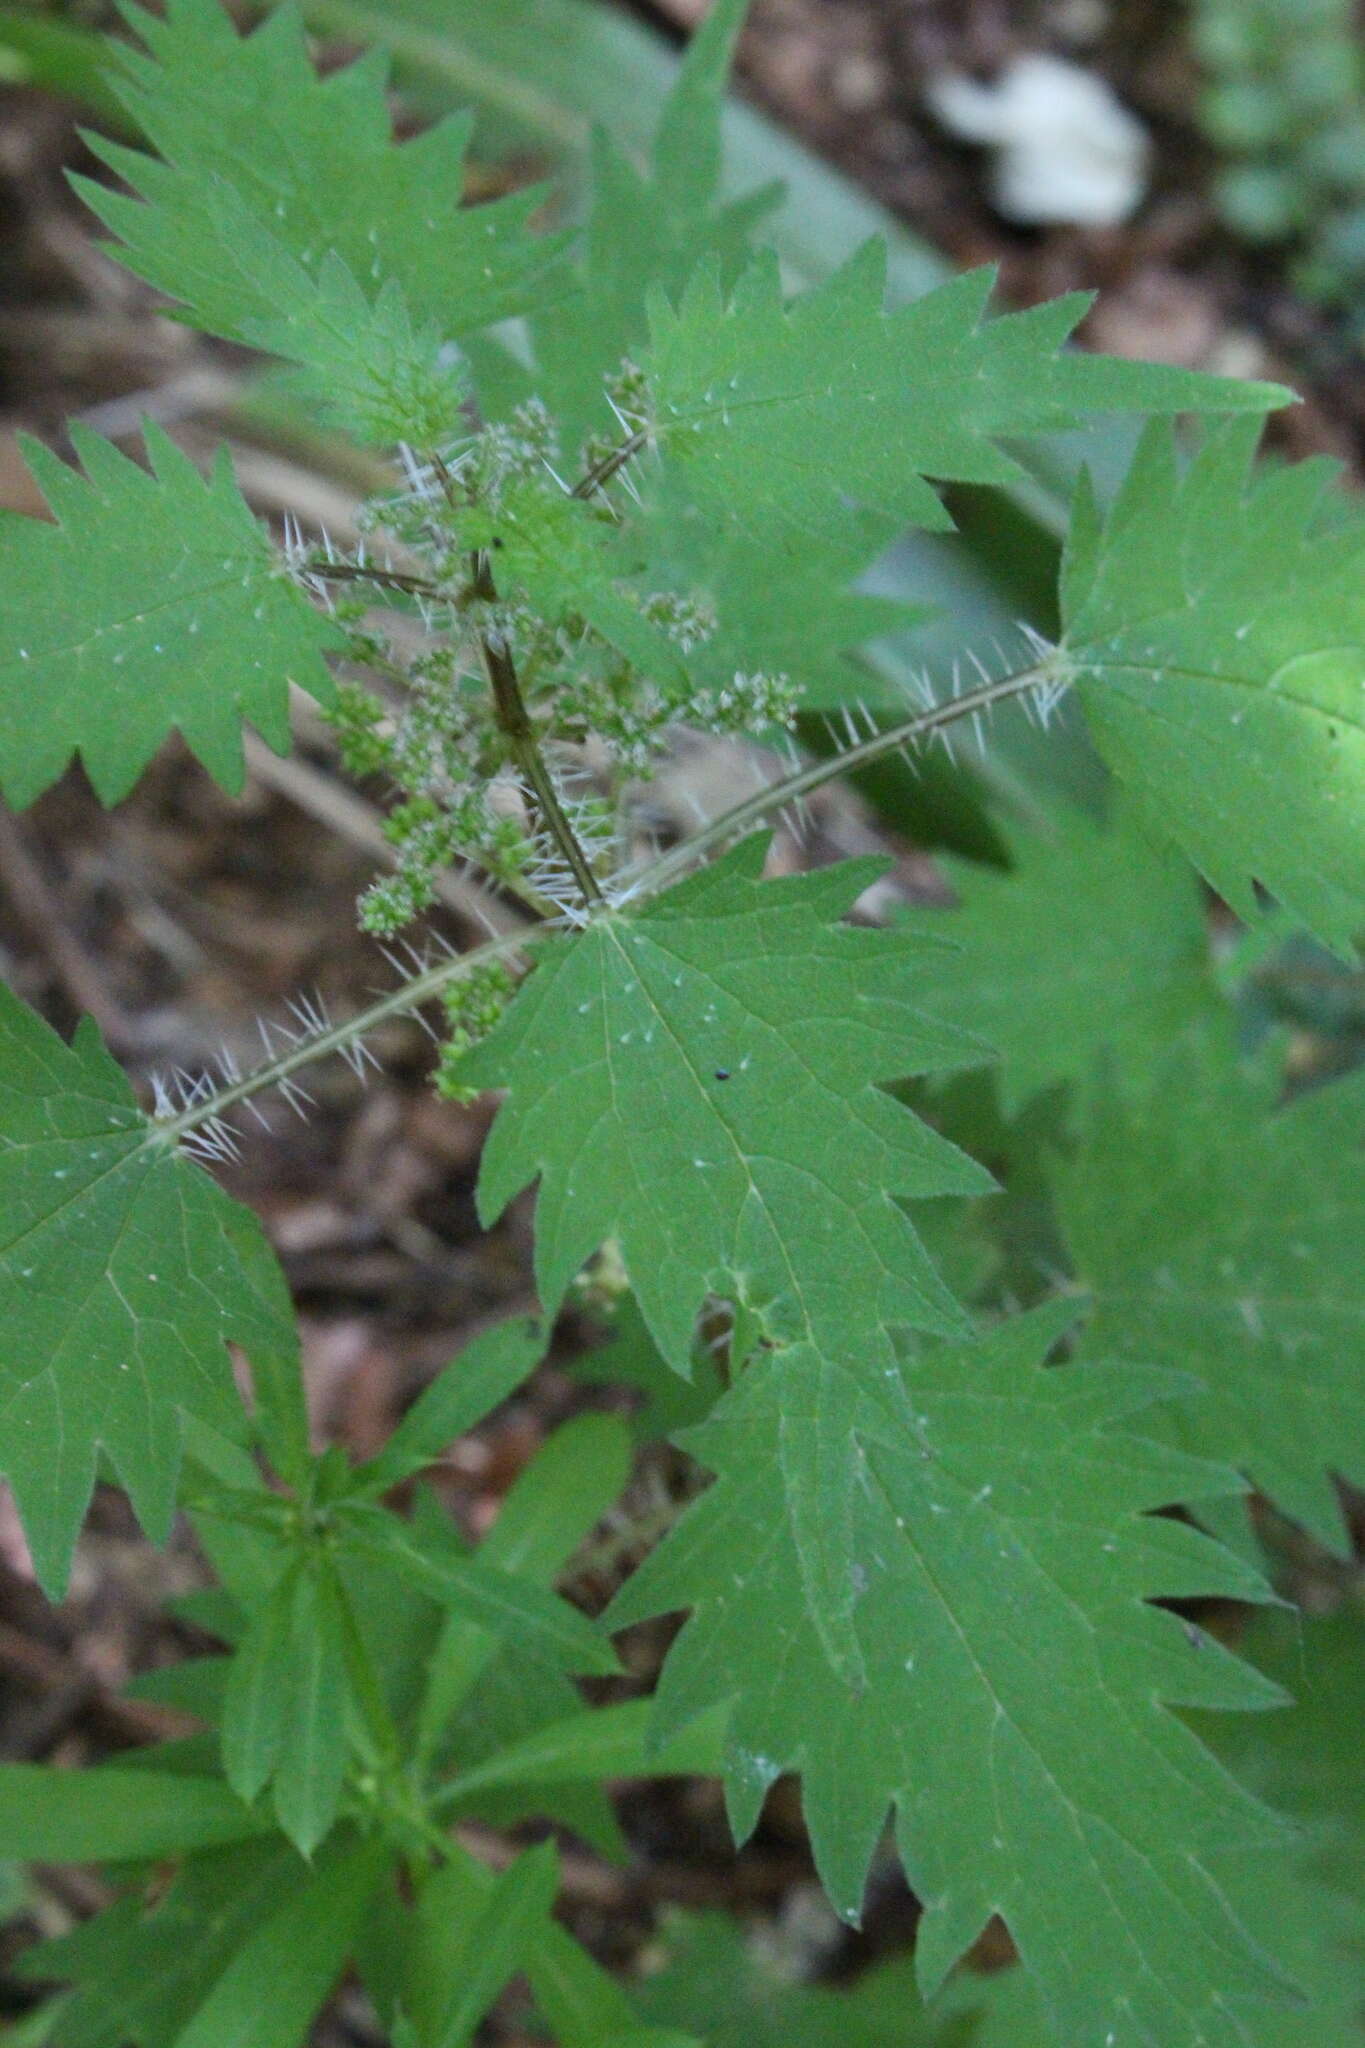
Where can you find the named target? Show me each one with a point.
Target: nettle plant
(948, 1546)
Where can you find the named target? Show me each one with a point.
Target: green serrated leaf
(774, 611)
(362, 360)
(683, 1112)
(1094, 939)
(1218, 622)
(314, 160)
(649, 231)
(700, 1082)
(1011, 1708)
(1222, 1236)
(156, 604)
(540, 70)
(752, 394)
(647, 228)
(125, 1274)
(719, 1980)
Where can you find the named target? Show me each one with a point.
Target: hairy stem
(790, 789)
(382, 579)
(430, 982)
(615, 459)
(514, 722)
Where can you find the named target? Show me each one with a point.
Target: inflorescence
(494, 615)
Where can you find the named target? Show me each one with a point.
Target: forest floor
(183, 916)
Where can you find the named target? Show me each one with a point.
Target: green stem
(792, 788)
(528, 758)
(430, 982)
(657, 876)
(615, 459)
(382, 579)
(514, 722)
(400, 1803)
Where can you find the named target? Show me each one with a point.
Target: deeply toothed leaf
(701, 1082)
(1218, 621)
(776, 413)
(1010, 1706)
(361, 358)
(665, 1087)
(124, 1276)
(1222, 1236)
(648, 227)
(1094, 938)
(314, 160)
(155, 604)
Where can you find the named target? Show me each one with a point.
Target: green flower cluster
(470, 642)
(473, 1006)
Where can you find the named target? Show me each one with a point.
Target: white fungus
(1066, 150)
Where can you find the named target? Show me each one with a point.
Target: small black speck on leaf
(722, 1073)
